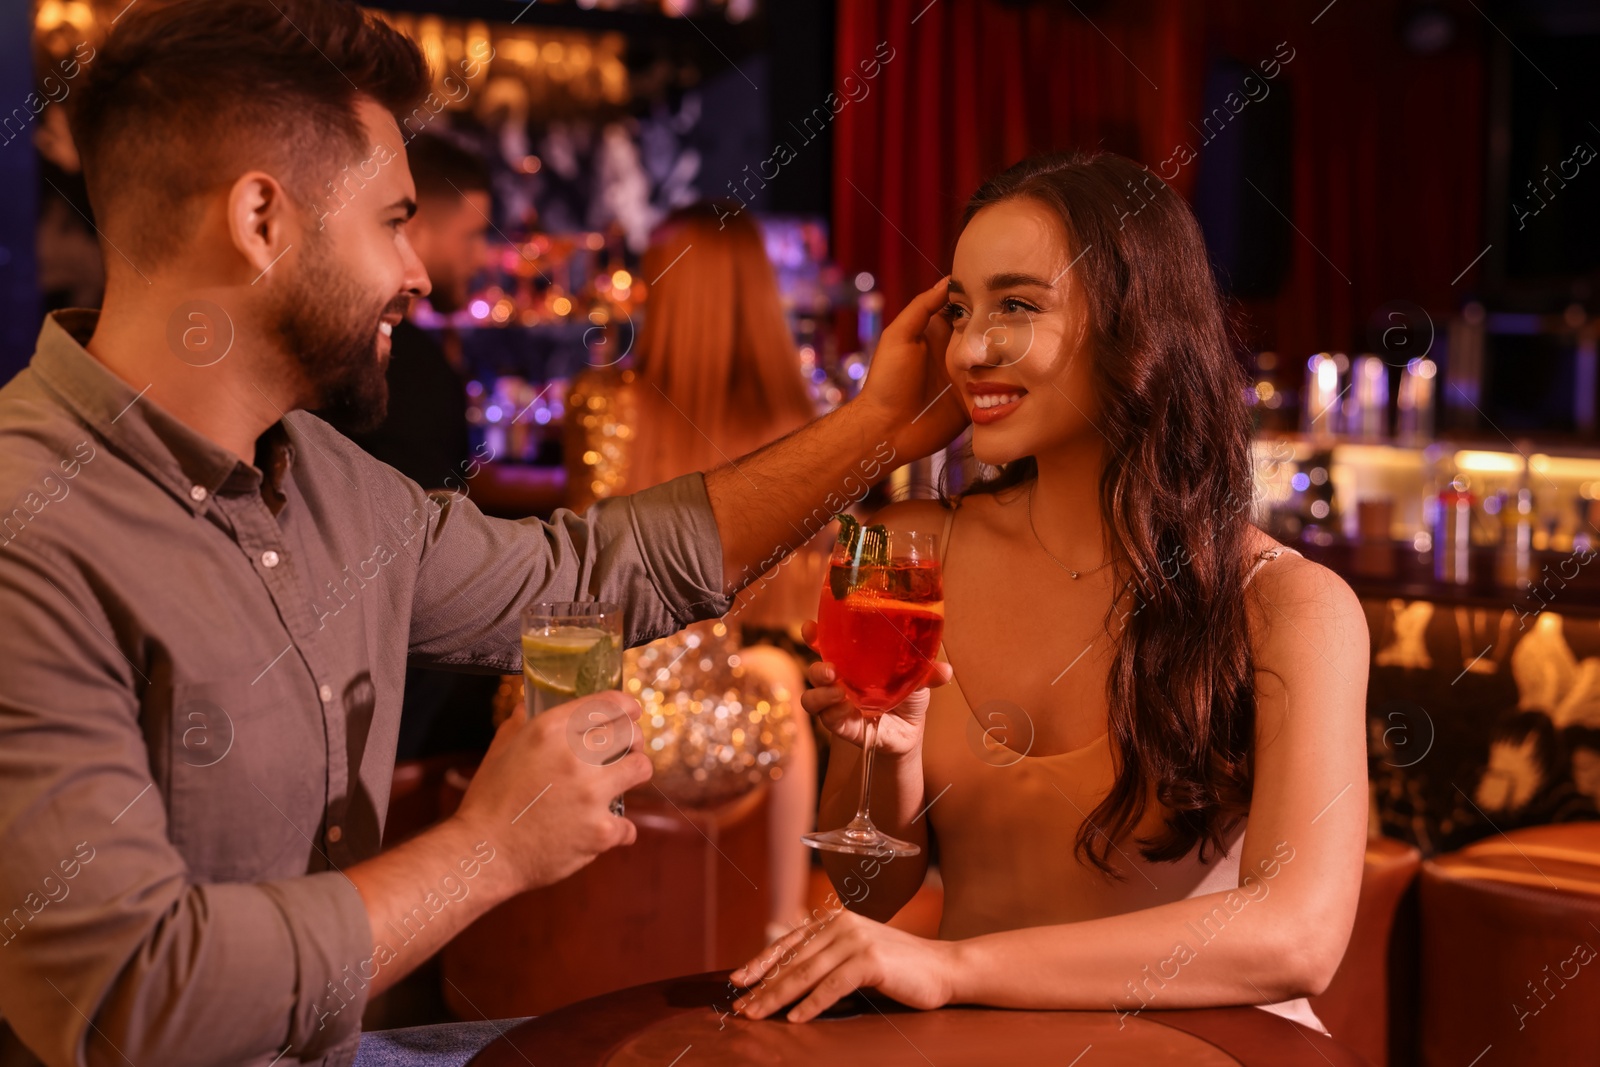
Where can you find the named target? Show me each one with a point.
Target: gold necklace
(1070, 572)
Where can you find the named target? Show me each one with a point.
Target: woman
(1162, 737)
(715, 374)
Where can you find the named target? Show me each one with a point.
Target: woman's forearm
(876, 887)
(1240, 946)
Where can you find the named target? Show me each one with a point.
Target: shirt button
(326, 693)
(334, 834)
(197, 493)
(269, 558)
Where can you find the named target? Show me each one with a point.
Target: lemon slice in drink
(555, 661)
(869, 602)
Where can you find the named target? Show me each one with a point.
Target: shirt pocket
(246, 782)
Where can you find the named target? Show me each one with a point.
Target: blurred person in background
(424, 435)
(71, 271)
(715, 373)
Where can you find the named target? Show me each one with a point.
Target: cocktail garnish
(866, 546)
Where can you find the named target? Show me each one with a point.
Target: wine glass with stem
(879, 623)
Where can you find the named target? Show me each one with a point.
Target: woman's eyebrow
(1010, 280)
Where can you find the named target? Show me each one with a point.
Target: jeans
(445, 1045)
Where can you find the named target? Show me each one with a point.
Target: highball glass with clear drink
(572, 649)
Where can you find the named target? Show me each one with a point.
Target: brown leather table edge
(587, 1033)
(1240, 1035)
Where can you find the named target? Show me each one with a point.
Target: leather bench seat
(1510, 936)
(1371, 1003)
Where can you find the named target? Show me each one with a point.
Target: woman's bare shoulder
(1283, 569)
(1302, 596)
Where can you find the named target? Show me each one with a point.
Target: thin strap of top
(1267, 556)
(944, 538)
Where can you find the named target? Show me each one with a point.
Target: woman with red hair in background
(714, 374)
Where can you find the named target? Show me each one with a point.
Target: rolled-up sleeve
(110, 952)
(656, 552)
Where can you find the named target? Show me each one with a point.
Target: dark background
(1385, 164)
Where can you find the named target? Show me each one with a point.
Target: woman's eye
(1013, 305)
(952, 312)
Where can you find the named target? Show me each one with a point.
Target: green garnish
(599, 668)
(866, 546)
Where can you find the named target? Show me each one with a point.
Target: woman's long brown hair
(1174, 496)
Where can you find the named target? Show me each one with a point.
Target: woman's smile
(993, 401)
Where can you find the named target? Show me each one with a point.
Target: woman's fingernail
(829, 674)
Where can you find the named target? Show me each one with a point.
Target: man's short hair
(444, 170)
(185, 95)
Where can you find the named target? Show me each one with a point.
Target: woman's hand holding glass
(899, 729)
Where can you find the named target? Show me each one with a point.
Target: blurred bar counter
(1464, 523)
(1563, 581)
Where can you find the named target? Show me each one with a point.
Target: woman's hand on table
(833, 956)
(899, 729)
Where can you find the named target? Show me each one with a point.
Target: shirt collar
(192, 467)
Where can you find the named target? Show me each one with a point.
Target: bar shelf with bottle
(1473, 520)
(555, 305)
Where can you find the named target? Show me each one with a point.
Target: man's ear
(261, 220)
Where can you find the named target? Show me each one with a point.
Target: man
(210, 595)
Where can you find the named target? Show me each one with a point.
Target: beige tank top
(1007, 822)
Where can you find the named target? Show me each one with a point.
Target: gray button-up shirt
(200, 677)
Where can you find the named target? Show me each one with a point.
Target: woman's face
(1018, 354)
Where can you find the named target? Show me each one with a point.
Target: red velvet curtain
(1386, 146)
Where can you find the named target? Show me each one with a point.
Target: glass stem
(869, 748)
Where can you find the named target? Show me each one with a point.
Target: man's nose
(416, 281)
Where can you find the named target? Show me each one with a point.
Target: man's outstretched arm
(771, 502)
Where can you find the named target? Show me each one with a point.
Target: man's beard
(317, 321)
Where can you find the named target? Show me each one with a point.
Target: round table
(686, 1022)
